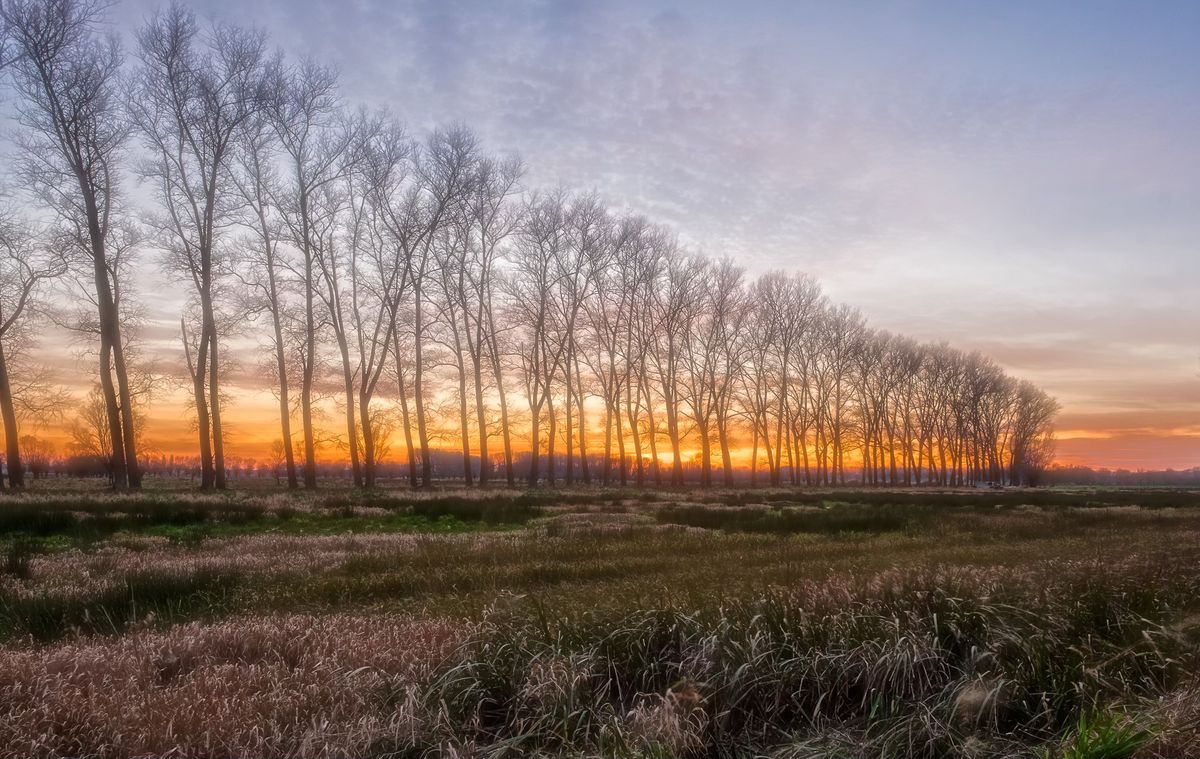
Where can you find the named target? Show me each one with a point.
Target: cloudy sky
(1020, 177)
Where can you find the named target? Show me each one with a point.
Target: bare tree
(491, 218)
(68, 79)
(25, 267)
(193, 98)
(415, 213)
(639, 263)
(579, 265)
(710, 356)
(89, 430)
(340, 238)
(606, 320)
(368, 254)
(530, 286)
(316, 141)
(1031, 443)
(260, 267)
(674, 305)
(377, 282)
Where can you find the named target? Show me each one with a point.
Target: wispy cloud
(1021, 178)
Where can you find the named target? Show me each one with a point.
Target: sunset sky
(1020, 178)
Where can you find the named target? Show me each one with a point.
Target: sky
(1021, 178)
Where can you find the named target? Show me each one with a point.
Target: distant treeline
(1082, 475)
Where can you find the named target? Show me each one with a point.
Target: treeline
(418, 288)
(1083, 475)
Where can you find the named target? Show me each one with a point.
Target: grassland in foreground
(597, 623)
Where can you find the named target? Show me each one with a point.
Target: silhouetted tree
(68, 77)
(26, 266)
(193, 96)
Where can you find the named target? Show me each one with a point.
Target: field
(847, 623)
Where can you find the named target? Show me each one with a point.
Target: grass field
(1051, 623)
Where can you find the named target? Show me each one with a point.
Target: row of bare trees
(414, 287)
(682, 354)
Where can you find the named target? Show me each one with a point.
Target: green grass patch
(1101, 735)
(162, 596)
(831, 519)
(315, 524)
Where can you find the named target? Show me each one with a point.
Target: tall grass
(927, 662)
(768, 628)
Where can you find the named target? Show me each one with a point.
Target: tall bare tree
(530, 287)
(194, 94)
(26, 266)
(341, 243)
(378, 278)
(315, 138)
(68, 77)
(416, 213)
(491, 219)
(674, 301)
(260, 265)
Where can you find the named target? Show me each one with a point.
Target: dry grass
(928, 661)
(281, 686)
(627, 628)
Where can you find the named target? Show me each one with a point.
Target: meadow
(742, 623)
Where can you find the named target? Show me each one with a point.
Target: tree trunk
(631, 408)
(551, 435)
(368, 436)
(405, 417)
(463, 422)
(654, 467)
(569, 410)
(485, 461)
(534, 443)
(351, 424)
(128, 430)
(584, 469)
(310, 359)
(497, 372)
(726, 458)
(285, 409)
(12, 438)
(620, 441)
(199, 371)
(418, 386)
(119, 473)
(218, 441)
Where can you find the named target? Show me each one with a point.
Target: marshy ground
(1055, 623)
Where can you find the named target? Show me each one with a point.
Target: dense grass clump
(92, 518)
(829, 520)
(113, 607)
(907, 663)
(512, 510)
(83, 518)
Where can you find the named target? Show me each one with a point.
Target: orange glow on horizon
(252, 427)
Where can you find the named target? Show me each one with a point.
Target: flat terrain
(1055, 623)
